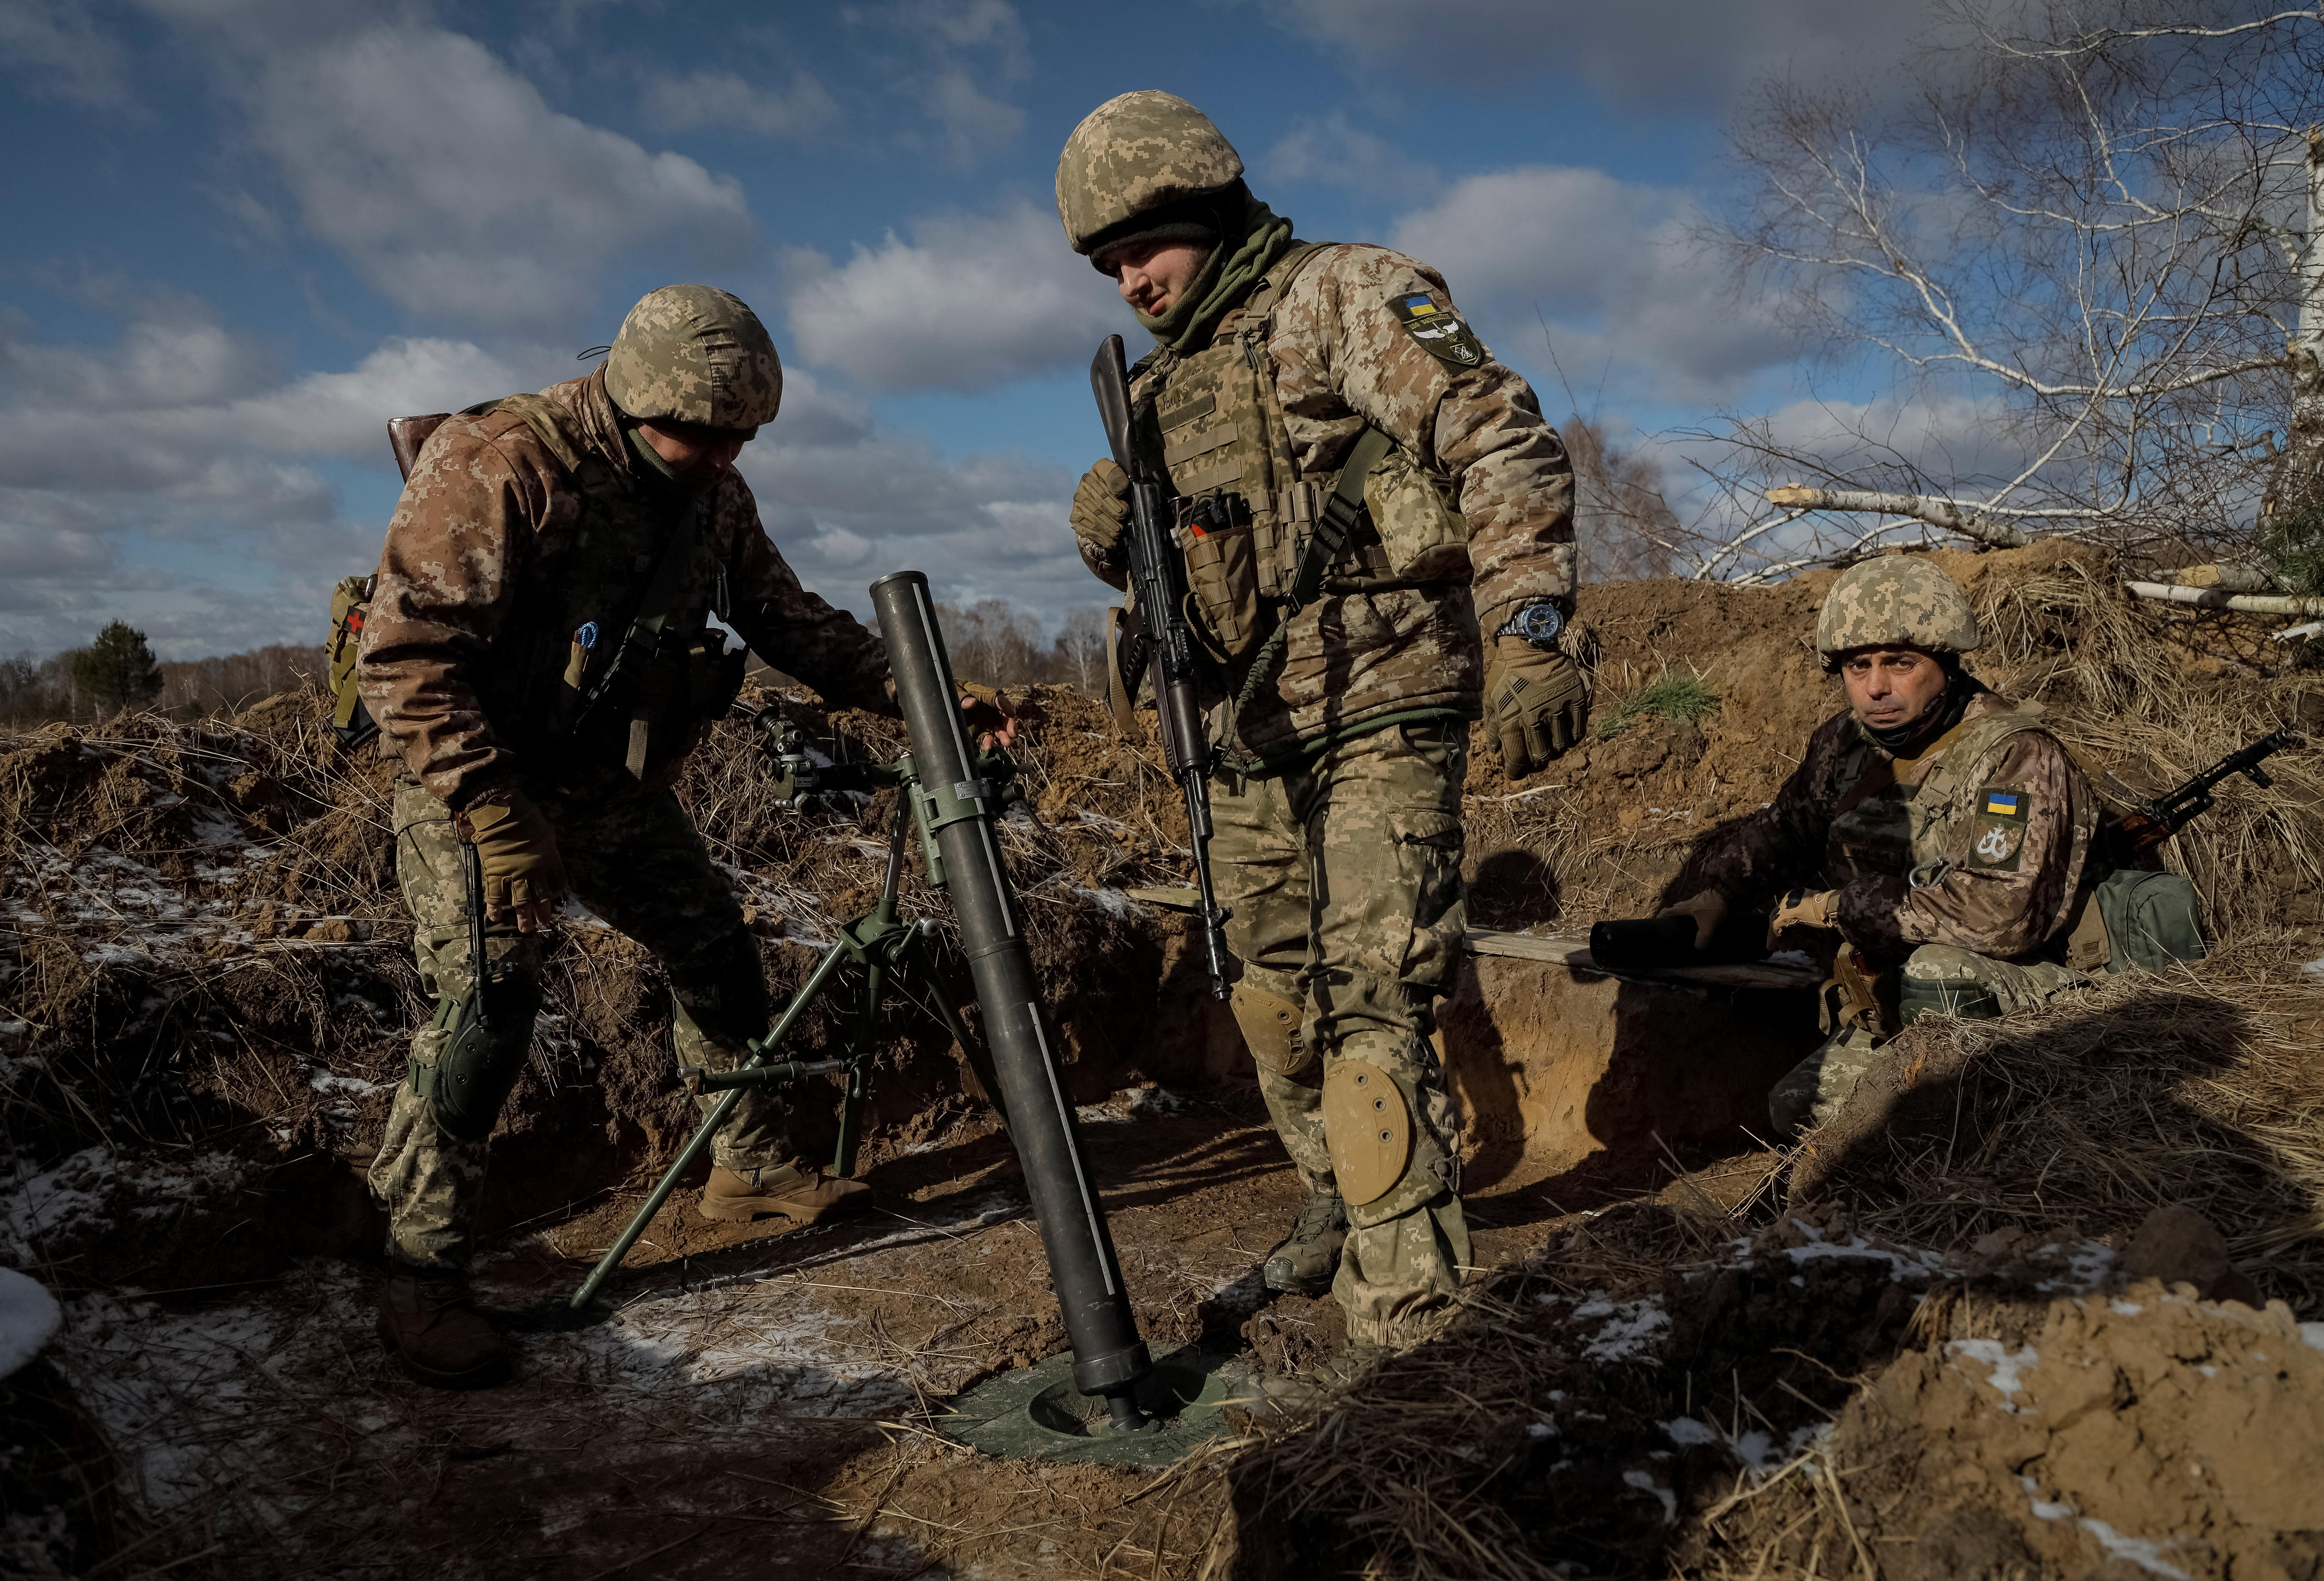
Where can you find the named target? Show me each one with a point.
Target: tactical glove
(518, 849)
(1535, 704)
(1804, 909)
(1708, 910)
(1100, 513)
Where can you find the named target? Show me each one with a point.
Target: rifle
(1157, 580)
(2148, 821)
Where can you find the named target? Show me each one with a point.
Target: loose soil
(1689, 1352)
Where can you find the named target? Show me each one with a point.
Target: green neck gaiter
(1246, 250)
(659, 472)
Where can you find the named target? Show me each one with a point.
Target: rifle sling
(642, 635)
(1336, 519)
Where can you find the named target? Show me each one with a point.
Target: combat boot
(786, 1191)
(1300, 1393)
(1303, 1261)
(435, 1335)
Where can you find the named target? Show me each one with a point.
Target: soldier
(1934, 828)
(543, 544)
(1285, 372)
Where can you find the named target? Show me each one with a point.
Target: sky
(242, 234)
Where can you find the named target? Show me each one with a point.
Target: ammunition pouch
(487, 1036)
(1226, 603)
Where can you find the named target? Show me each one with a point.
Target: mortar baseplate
(1036, 1414)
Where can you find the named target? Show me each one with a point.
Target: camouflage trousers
(1937, 979)
(1344, 878)
(637, 863)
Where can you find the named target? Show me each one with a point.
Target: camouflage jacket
(501, 552)
(1339, 358)
(2000, 844)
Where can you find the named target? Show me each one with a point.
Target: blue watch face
(1538, 624)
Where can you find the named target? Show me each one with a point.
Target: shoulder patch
(1998, 828)
(1438, 330)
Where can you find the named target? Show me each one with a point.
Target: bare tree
(1622, 525)
(2094, 242)
(1080, 646)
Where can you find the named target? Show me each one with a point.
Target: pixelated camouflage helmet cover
(1134, 153)
(694, 353)
(1896, 601)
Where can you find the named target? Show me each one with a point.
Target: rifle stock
(1157, 584)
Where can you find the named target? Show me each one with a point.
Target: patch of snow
(1541, 1430)
(327, 1084)
(1129, 1104)
(1114, 903)
(2313, 1333)
(1686, 1431)
(29, 1316)
(2139, 1550)
(1645, 1483)
(2006, 1364)
(1625, 1328)
(2126, 1308)
(2313, 968)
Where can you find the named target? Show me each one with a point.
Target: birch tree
(2093, 246)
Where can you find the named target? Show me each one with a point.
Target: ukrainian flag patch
(1438, 330)
(2004, 804)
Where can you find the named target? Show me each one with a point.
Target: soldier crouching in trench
(543, 543)
(1279, 365)
(1935, 843)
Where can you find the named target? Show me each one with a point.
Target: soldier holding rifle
(1377, 532)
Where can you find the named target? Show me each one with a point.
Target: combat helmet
(695, 354)
(1897, 601)
(1134, 154)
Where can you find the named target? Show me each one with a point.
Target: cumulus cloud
(1332, 152)
(724, 101)
(1611, 264)
(1678, 54)
(942, 56)
(967, 303)
(55, 51)
(451, 186)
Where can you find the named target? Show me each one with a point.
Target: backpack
(351, 721)
(2152, 919)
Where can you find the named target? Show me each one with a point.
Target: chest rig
(613, 664)
(1897, 818)
(1246, 513)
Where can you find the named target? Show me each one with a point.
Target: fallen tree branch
(1937, 512)
(2213, 598)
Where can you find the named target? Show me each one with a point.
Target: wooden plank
(1574, 953)
(1185, 900)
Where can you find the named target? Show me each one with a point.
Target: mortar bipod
(884, 946)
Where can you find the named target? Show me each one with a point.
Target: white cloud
(967, 303)
(1332, 152)
(1674, 54)
(1611, 264)
(723, 100)
(451, 186)
(942, 56)
(56, 51)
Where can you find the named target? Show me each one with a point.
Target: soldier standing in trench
(1344, 729)
(544, 543)
(1934, 828)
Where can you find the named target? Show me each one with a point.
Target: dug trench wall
(205, 988)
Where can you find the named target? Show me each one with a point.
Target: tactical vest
(1245, 510)
(549, 664)
(1904, 826)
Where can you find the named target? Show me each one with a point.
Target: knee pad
(1376, 1146)
(1270, 1027)
(487, 1036)
(723, 990)
(1941, 980)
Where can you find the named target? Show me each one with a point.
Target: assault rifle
(1157, 580)
(2148, 821)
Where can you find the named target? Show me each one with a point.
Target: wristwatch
(1538, 623)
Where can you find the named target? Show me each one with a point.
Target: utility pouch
(1224, 597)
(488, 1032)
(1423, 537)
(351, 721)
(1125, 667)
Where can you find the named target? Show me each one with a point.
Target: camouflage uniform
(1965, 867)
(1338, 844)
(523, 524)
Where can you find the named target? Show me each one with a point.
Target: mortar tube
(1109, 1357)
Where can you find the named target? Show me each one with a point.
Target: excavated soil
(1683, 1351)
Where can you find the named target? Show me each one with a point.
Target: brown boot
(783, 1190)
(425, 1318)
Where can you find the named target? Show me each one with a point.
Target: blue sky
(244, 235)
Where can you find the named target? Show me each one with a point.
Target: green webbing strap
(644, 633)
(1337, 519)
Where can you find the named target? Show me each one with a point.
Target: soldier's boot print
(799, 1194)
(1304, 1262)
(434, 1331)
